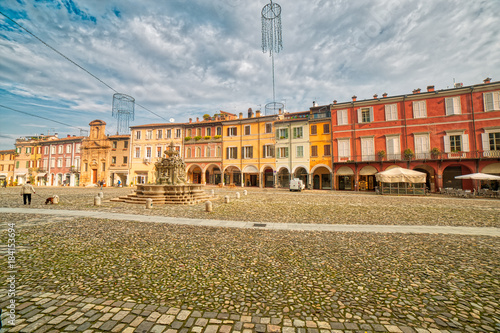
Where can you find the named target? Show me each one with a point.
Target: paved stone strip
(40, 312)
(475, 231)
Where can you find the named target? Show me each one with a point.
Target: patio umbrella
(478, 176)
(400, 175)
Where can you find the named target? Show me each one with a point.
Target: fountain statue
(171, 186)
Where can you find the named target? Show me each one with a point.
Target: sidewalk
(483, 231)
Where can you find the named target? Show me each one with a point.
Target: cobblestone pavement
(278, 206)
(81, 274)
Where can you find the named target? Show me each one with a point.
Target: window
(79, 146)
(125, 144)
(169, 134)
(419, 109)
(17, 164)
(344, 149)
(198, 131)
(491, 101)
(367, 149)
(77, 163)
(113, 159)
(207, 152)
(86, 167)
(45, 163)
(28, 164)
(125, 159)
(115, 144)
(158, 151)
(149, 134)
(188, 153)
(137, 152)
(60, 149)
(297, 133)
(326, 128)
(299, 151)
(342, 117)
(231, 153)
(208, 131)
(269, 128)
(283, 152)
(178, 133)
(422, 149)
(148, 152)
(491, 144)
(453, 106)
(456, 142)
(46, 150)
(267, 151)
(219, 130)
(18, 150)
(393, 147)
(218, 151)
(103, 166)
(28, 150)
(52, 162)
(314, 130)
(365, 115)
(248, 152)
(138, 135)
(328, 151)
(52, 149)
(159, 134)
(391, 112)
(197, 152)
(59, 162)
(247, 129)
(68, 162)
(282, 133)
(232, 131)
(314, 151)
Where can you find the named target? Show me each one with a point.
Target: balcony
(419, 157)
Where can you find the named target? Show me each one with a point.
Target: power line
(74, 63)
(34, 115)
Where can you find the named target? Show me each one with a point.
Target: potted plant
(408, 153)
(187, 138)
(217, 136)
(207, 137)
(435, 152)
(381, 154)
(197, 138)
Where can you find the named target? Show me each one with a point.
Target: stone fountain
(171, 184)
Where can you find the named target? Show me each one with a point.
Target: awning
(344, 171)
(392, 167)
(41, 174)
(368, 170)
(492, 168)
(250, 169)
(401, 175)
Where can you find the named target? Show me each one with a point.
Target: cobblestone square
(96, 274)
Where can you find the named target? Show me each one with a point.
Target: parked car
(297, 185)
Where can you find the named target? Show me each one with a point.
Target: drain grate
(260, 225)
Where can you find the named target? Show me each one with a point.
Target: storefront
(367, 178)
(345, 179)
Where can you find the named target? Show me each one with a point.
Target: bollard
(101, 195)
(245, 192)
(149, 203)
(208, 206)
(97, 201)
(237, 195)
(213, 193)
(226, 199)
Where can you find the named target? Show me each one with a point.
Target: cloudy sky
(184, 58)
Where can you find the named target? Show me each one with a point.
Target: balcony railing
(419, 157)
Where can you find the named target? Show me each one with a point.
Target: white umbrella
(400, 175)
(479, 176)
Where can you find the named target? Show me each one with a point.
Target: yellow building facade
(321, 148)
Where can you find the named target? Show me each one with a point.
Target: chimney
(416, 91)
(190, 120)
(68, 136)
(354, 98)
(56, 135)
(334, 101)
(487, 80)
(241, 115)
(257, 113)
(375, 96)
(430, 88)
(250, 113)
(384, 95)
(280, 111)
(197, 119)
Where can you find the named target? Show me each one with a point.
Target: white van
(297, 185)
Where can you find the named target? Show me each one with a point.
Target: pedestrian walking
(26, 191)
(101, 183)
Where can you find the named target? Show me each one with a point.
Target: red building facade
(443, 133)
(61, 161)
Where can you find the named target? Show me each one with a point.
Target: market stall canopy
(400, 175)
(478, 176)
